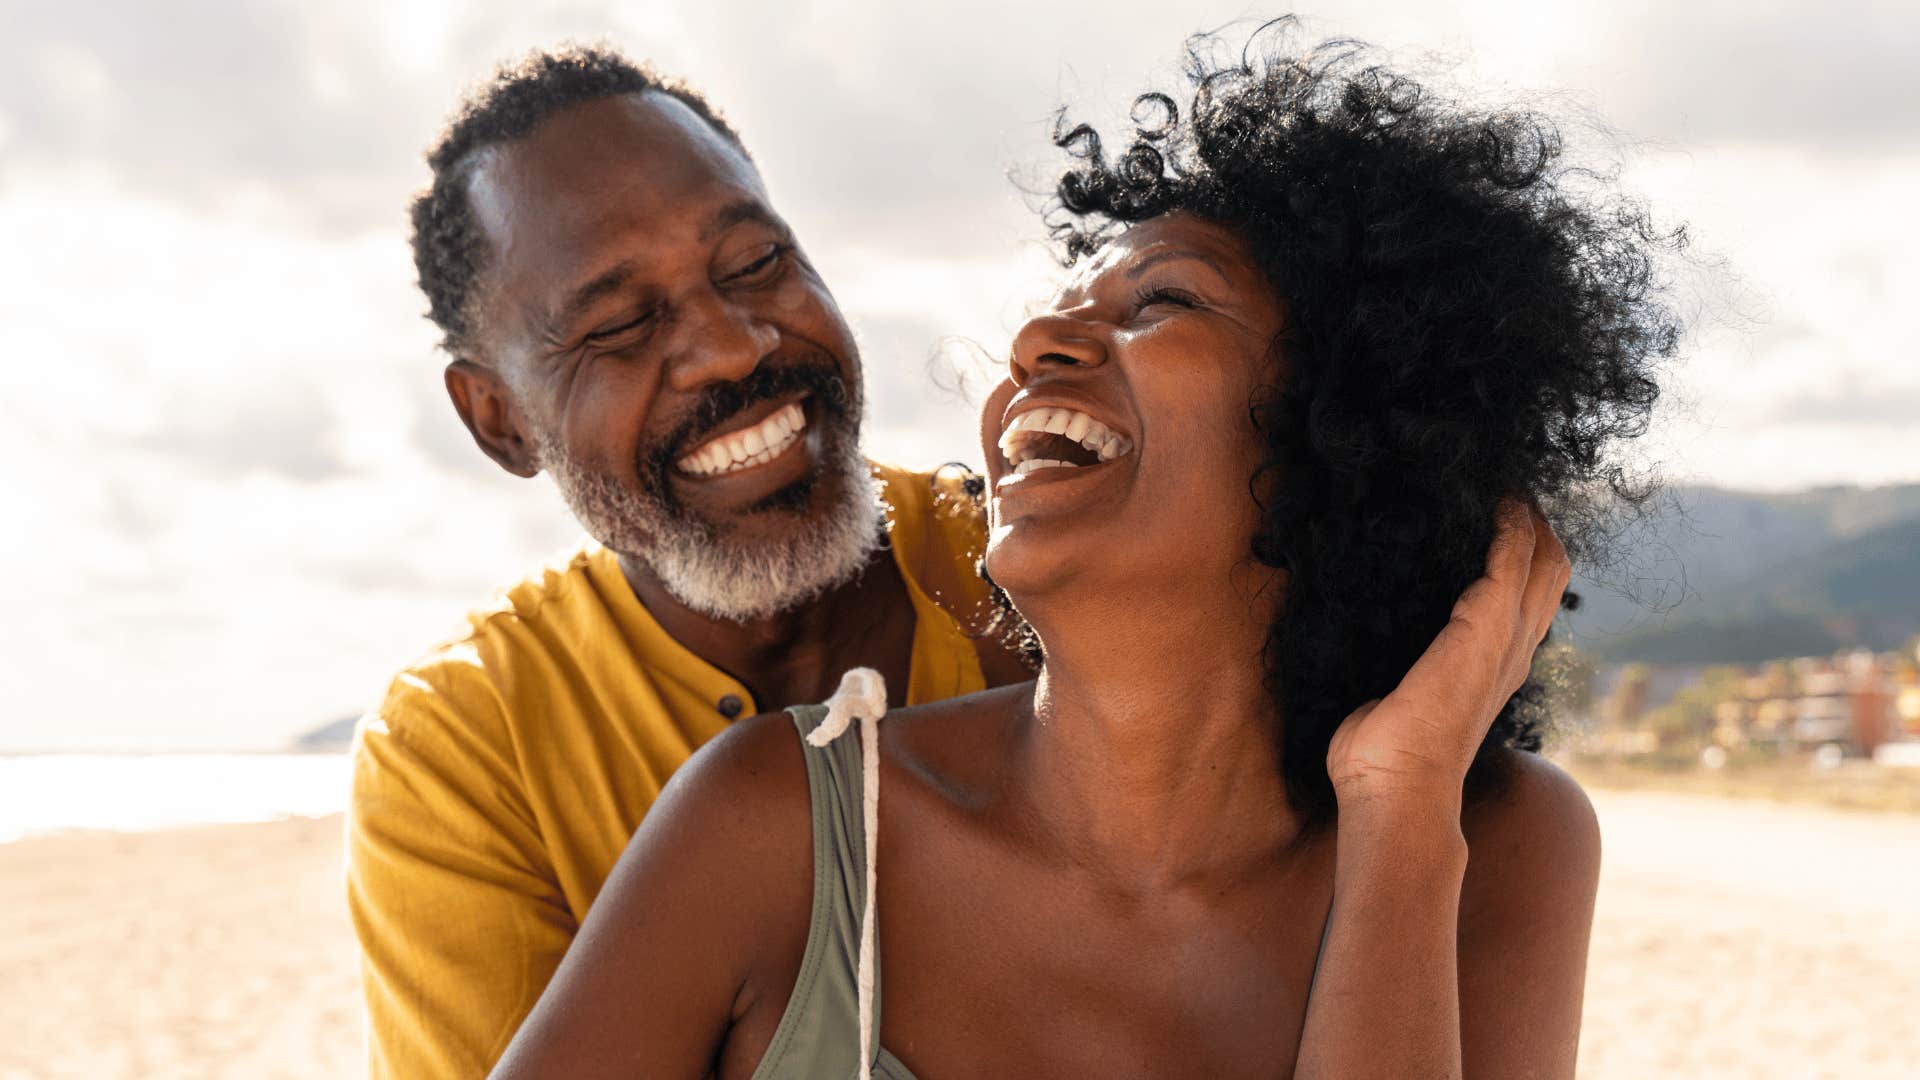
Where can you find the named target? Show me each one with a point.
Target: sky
(237, 500)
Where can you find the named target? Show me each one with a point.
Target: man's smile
(755, 437)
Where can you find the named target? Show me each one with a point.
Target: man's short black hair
(449, 251)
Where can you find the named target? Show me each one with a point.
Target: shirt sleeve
(460, 920)
(957, 539)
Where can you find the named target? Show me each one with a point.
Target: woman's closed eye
(1152, 295)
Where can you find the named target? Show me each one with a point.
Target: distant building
(1858, 701)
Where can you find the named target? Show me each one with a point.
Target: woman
(1260, 485)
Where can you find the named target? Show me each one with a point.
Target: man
(626, 312)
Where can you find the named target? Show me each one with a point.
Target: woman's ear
(486, 406)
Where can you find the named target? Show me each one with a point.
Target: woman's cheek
(991, 411)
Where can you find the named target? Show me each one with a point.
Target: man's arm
(459, 918)
(694, 944)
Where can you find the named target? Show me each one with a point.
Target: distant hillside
(328, 738)
(1739, 577)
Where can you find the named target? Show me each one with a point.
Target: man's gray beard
(701, 566)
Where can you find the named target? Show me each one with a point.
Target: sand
(1749, 939)
(205, 953)
(1733, 939)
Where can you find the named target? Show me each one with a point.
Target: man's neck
(797, 656)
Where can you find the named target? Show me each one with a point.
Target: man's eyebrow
(734, 213)
(1159, 257)
(579, 300)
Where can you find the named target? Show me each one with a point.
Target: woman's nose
(1058, 340)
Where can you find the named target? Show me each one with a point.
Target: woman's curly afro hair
(1463, 325)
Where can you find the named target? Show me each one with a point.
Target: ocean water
(48, 793)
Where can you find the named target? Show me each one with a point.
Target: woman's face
(1119, 448)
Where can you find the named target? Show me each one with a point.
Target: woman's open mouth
(1058, 438)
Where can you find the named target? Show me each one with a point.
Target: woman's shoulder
(959, 743)
(737, 819)
(1533, 841)
(755, 771)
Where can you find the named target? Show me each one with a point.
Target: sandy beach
(215, 953)
(1748, 939)
(1733, 939)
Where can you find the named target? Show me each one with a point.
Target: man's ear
(486, 406)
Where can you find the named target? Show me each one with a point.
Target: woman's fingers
(1492, 617)
(1486, 649)
(1488, 614)
(1510, 557)
(1547, 578)
(1441, 710)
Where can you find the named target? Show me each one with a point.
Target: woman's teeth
(1036, 464)
(744, 449)
(1024, 446)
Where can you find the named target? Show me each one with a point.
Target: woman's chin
(1037, 559)
(1025, 565)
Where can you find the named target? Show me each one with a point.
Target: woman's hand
(1415, 744)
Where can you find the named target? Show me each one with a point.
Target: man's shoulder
(937, 519)
(517, 634)
(950, 493)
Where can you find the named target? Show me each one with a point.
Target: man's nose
(721, 341)
(1059, 340)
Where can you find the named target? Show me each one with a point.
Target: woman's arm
(1526, 913)
(1385, 1001)
(1413, 883)
(713, 889)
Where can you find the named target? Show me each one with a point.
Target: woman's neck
(1154, 753)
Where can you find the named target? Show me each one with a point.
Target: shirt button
(730, 706)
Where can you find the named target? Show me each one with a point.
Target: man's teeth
(1020, 449)
(744, 449)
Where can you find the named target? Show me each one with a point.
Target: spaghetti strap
(862, 695)
(834, 1009)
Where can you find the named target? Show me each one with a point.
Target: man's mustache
(815, 374)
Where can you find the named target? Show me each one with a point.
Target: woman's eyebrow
(1159, 257)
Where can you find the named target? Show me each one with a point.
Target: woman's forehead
(1156, 238)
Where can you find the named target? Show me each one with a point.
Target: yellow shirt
(502, 776)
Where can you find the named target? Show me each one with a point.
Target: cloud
(898, 122)
(246, 493)
(1860, 405)
(276, 425)
(197, 101)
(1717, 72)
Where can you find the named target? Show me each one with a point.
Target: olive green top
(819, 1035)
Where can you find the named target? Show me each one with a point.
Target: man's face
(671, 356)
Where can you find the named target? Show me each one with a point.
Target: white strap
(862, 695)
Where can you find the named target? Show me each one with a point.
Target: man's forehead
(599, 166)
